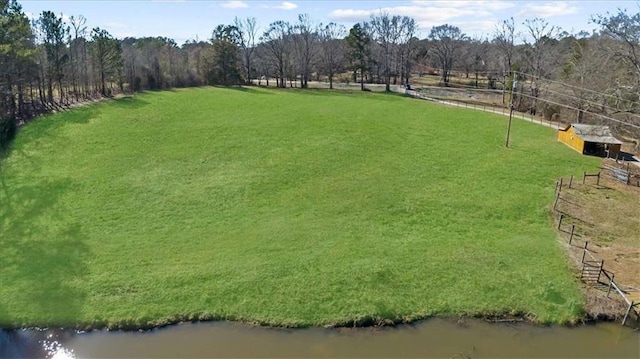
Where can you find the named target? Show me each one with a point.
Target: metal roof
(592, 133)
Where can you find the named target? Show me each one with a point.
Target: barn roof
(592, 133)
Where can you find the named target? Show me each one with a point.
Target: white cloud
(351, 14)
(481, 29)
(474, 17)
(426, 14)
(286, 5)
(491, 5)
(234, 4)
(549, 9)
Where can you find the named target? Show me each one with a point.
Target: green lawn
(280, 207)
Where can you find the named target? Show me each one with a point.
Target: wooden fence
(592, 270)
(483, 107)
(623, 173)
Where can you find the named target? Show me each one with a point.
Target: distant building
(590, 140)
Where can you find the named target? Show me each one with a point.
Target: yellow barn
(590, 139)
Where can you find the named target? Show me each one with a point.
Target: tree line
(50, 63)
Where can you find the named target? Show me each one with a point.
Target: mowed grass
(281, 207)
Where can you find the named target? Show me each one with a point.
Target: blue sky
(188, 19)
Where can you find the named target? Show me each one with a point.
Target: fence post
(627, 314)
(598, 182)
(584, 177)
(584, 251)
(573, 227)
(600, 271)
(560, 184)
(610, 284)
(570, 181)
(560, 221)
(556, 202)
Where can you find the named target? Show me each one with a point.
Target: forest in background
(49, 64)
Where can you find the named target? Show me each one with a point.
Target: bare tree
(625, 29)
(332, 44)
(539, 56)
(276, 40)
(247, 31)
(304, 39)
(582, 71)
(407, 44)
(387, 31)
(504, 39)
(447, 40)
(543, 36)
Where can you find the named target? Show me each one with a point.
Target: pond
(443, 338)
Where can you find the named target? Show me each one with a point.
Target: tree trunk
(387, 84)
(504, 88)
(444, 75)
(61, 91)
(21, 111)
(330, 81)
(50, 90)
(12, 100)
(31, 99)
(249, 69)
(102, 82)
(41, 90)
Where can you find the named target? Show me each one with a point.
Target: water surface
(439, 338)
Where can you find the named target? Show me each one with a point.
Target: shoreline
(361, 323)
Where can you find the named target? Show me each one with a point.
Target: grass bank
(282, 207)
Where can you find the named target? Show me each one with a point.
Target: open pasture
(281, 207)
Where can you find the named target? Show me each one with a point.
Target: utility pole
(513, 86)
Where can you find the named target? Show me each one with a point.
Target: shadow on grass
(129, 102)
(41, 255)
(246, 89)
(48, 125)
(370, 95)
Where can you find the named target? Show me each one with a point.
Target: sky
(184, 20)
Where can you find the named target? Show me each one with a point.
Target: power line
(572, 86)
(587, 101)
(568, 96)
(581, 99)
(584, 111)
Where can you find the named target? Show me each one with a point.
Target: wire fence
(592, 268)
(486, 108)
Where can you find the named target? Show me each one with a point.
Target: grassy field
(281, 207)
